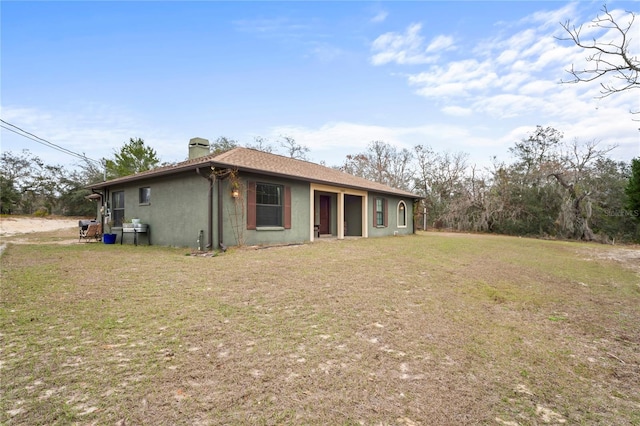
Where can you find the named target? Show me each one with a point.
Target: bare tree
(261, 144)
(606, 57)
(381, 163)
(440, 178)
(575, 176)
(401, 170)
(535, 152)
(294, 149)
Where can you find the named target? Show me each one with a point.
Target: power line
(63, 150)
(17, 130)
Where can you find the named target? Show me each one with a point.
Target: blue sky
(469, 76)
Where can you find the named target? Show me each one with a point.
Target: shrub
(41, 212)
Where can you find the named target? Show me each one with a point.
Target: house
(249, 197)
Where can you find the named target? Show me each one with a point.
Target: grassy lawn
(433, 329)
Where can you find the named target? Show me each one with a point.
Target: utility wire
(17, 130)
(63, 150)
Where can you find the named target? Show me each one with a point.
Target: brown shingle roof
(251, 160)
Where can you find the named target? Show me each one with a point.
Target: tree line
(551, 188)
(30, 186)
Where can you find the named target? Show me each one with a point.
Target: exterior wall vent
(198, 147)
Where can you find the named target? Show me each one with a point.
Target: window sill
(270, 228)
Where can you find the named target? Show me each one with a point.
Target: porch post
(341, 215)
(312, 213)
(365, 216)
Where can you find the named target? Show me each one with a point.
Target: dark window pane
(268, 194)
(379, 212)
(268, 215)
(268, 205)
(118, 200)
(145, 195)
(117, 208)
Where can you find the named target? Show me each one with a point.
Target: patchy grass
(428, 329)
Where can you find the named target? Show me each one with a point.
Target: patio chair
(94, 231)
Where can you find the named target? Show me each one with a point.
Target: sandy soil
(24, 225)
(628, 257)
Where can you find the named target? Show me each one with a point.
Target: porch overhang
(340, 193)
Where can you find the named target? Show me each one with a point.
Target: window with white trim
(402, 215)
(117, 207)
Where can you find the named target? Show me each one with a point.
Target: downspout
(220, 239)
(210, 207)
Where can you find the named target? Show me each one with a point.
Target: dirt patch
(34, 230)
(15, 225)
(628, 257)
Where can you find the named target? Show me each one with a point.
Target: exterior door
(325, 214)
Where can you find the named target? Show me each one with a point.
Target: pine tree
(633, 190)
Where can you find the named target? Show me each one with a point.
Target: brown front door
(325, 214)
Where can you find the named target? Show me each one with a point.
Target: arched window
(402, 215)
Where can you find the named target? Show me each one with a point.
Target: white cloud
(336, 135)
(512, 74)
(507, 57)
(457, 79)
(331, 142)
(512, 82)
(537, 87)
(549, 19)
(440, 43)
(444, 90)
(380, 16)
(504, 106)
(408, 48)
(457, 111)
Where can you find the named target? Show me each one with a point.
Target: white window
(117, 207)
(402, 215)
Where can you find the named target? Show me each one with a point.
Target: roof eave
(153, 174)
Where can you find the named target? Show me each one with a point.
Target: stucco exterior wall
(177, 210)
(235, 227)
(392, 227)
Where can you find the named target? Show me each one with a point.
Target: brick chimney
(198, 147)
